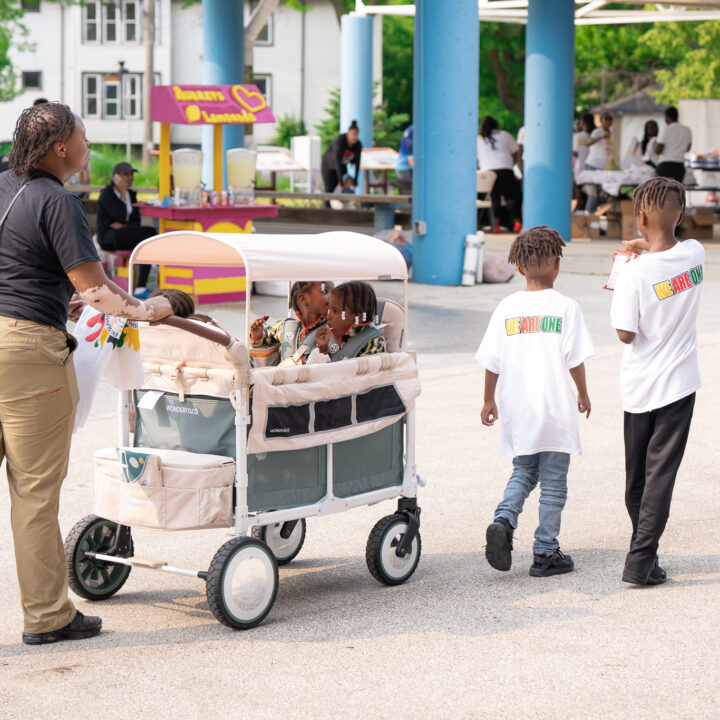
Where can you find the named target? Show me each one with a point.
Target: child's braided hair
(535, 246)
(182, 304)
(655, 193)
(359, 298)
(298, 288)
(37, 130)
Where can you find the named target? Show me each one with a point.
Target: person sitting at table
(118, 220)
(344, 150)
(498, 151)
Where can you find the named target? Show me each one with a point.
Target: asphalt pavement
(459, 640)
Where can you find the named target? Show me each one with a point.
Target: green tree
(398, 63)
(12, 34)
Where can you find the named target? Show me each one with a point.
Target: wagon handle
(197, 328)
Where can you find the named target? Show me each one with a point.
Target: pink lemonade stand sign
(215, 105)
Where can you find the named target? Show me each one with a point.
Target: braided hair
(182, 304)
(657, 193)
(298, 288)
(536, 246)
(359, 299)
(37, 130)
(489, 124)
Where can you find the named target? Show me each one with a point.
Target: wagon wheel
(284, 549)
(382, 560)
(94, 579)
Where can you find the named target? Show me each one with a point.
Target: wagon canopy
(326, 256)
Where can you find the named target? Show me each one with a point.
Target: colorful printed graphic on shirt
(679, 283)
(116, 331)
(533, 324)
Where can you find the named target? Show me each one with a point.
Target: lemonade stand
(184, 204)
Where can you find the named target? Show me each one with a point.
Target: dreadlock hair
(182, 304)
(358, 298)
(37, 130)
(656, 193)
(489, 124)
(535, 246)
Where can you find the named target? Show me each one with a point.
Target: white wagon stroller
(218, 444)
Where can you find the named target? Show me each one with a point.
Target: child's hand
(323, 339)
(489, 413)
(638, 245)
(256, 329)
(584, 404)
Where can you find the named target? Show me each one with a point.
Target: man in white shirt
(672, 144)
(654, 310)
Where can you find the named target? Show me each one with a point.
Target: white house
(92, 57)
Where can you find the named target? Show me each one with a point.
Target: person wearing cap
(118, 220)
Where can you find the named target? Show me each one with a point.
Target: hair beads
(342, 315)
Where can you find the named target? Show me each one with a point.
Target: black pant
(128, 238)
(654, 446)
(674, 170)
(506, 186)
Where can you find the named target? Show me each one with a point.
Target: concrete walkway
(459, 640)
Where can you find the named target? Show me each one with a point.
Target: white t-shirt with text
(499, 157)
(532, 341)
(676, 140)
(599, 153)
(656, 296)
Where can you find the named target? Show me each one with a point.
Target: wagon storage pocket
(164, 489)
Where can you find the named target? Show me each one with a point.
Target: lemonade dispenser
(241, 174)
(187, 175)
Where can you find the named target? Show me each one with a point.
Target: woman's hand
(638, 245)
(256, 329)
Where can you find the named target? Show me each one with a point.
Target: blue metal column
(223, 64)
(445, 118)
(549, 93)
(356, 77)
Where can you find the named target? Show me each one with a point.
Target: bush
(104, 157)
(288, 127)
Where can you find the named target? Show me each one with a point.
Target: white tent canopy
(346, 255)
(587, 12)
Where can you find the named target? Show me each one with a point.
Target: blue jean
(550, 470)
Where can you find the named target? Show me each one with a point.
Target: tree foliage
(12, 34)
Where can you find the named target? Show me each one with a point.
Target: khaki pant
(38, 396)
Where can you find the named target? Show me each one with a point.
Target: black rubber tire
(216, 576)
(81, 569)
(261, 532)
(374, 550)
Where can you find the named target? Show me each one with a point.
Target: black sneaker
(498, 550)
(81, 627)
(657, 577)
(555, 564)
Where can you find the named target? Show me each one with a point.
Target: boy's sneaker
(498, 550)
(555, 564)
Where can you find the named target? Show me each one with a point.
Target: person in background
(672, 144)
(344, 150)
(118, 220)
(46, 250)
(599, 157)
(648, 145)
(405, 163)
(497, 151)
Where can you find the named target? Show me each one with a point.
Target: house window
(133, 18)
(30, 5)
(91, 95)
(265, 36)
(264, 85)
(32, 80)
(111, 97)
(91, 22)
(110, 22)
(132, 96)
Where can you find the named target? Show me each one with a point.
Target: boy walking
(654, 310)
(533, 339)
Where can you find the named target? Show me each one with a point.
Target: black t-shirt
(112, 209)
(339, 154)
(45, 235)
